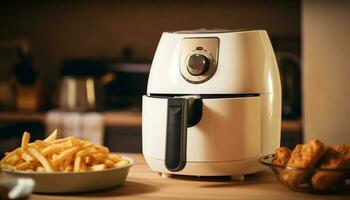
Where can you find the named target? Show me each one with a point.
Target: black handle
(176, 134)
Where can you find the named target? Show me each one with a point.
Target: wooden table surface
(142, 183)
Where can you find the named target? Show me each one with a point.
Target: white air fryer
(213, 103)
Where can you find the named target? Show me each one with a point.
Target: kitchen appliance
(80, 93)
(80, 102)
(123, 80)
(213, 103)
(290, 73)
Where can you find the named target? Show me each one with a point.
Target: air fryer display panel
(199, 58)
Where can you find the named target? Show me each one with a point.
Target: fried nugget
(325, 180)
(303, 156)
(344, 151)
(282, 156)
(307, 155)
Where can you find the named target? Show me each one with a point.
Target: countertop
(142, 183)
(120, 118)
(111, 118)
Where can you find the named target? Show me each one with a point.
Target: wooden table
(142, 183)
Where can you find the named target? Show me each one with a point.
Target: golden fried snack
(307, 155)
(325, 180)
(303, 156)
(344, 151)
(69, 154)
(282, 156)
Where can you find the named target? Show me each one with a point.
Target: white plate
(74, 182)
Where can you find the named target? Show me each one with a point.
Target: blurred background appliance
(88, 87)
(80, 93)
(290, 73)
(119, 82)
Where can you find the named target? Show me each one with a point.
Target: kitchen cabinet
(142, 183)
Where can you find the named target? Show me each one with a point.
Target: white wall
(326, 70)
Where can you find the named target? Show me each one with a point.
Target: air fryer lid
(239, 63)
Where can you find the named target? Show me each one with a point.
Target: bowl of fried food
(67, 165)
(312, 167)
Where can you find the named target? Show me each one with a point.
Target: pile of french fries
(69, 154)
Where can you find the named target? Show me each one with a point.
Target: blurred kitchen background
(82, 66)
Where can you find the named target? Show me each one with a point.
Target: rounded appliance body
(213, 103)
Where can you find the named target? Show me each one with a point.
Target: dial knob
(198, 64)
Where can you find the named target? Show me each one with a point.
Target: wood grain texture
(142, 183)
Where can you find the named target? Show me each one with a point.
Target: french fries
(69, 154)
(51, 137)
(38, 156)
(25, 140)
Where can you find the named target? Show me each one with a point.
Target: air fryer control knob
(197, 64)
